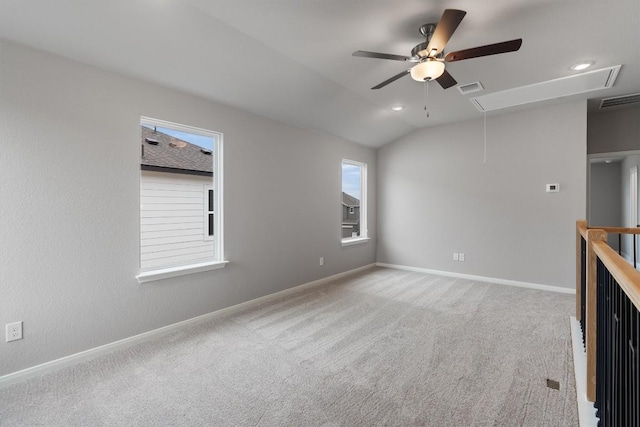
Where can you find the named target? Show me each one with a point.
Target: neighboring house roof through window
(349, 200)
(162, 152)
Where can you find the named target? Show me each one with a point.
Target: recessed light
(581, 66)
(397, 108)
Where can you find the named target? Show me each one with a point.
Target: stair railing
(608, 308)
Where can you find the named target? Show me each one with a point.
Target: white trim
(348, 241)
(165, 273)
(92, 353)
(482, 278)
(586, 410)
(364, 208)
(218, 194)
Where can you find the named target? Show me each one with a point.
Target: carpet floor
(383, 347)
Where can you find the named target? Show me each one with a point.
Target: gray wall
(436, 197)
(627, 221)
(69, 207)
(611, 131)
(605, 201)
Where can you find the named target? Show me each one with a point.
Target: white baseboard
(92, 353)
(481, 278)
(586, 411)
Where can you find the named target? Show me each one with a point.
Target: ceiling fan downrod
(419, 52)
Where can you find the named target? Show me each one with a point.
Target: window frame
(364, 231)
(217, 259)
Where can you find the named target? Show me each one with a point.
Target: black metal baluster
(610, 369)
(632, 392)
(624, 353)
(619, 243)
(635, 264)
(617, 362)
(618, 354)
(602, 351)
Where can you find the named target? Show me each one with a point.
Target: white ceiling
(290, 60)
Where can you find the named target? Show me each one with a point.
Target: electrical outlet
(461, 257)
(14, 331)
(455, 256)
(321, 260)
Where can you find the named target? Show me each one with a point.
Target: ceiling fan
(429, 55)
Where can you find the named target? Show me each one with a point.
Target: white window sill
(165, 273)
(354, 241)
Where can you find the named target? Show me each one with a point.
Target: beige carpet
(384, 347)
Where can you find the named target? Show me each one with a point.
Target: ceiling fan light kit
(429, 55)
(427, 70)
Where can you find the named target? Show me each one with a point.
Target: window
(354, 202)
(180, 200)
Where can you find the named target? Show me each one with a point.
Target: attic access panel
(551, 89)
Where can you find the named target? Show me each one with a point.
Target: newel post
(591, 310)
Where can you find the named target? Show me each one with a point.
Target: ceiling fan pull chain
(426, 96)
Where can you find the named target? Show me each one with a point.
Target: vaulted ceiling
(291, 60)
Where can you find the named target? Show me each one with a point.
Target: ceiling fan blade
(449, 21)
(490, 49)
(391, 80)
(378, 55)
(446, 80)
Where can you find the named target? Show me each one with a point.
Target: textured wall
(605, 197)
(625, 188)
(69, 207)
(436, 197)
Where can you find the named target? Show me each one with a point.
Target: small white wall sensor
(553, 188)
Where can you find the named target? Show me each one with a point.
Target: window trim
(217, 259)
(364, 231)
(165, 273)
(354, 241)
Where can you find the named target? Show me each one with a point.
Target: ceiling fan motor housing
(420, 50)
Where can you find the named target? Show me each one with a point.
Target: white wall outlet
(461, 257)
(321, 260)
(14, 331)
(455, 256)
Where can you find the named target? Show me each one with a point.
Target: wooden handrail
(622, 230)
(626, 276)
(581, 227)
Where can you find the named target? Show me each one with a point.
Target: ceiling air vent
(151, 141)
(548, 90)
(614, 101)
(470, 88)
